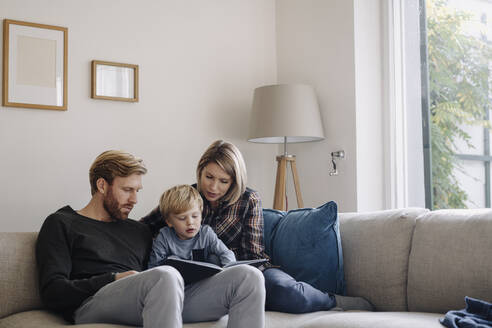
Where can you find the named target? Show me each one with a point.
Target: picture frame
(34, 65)
(114, 81)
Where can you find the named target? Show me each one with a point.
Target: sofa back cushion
(451, 258)
(376, 246)
(18, 273)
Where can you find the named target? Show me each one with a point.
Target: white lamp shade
(285, 110)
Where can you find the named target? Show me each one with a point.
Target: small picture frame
(114, 81)
(34, 65)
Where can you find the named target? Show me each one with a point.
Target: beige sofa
(412, 264)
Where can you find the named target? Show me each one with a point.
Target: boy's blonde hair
(179, 199)
(229, 158)
(114, 163)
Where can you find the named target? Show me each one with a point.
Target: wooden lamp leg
(279, 197)
(297, 186)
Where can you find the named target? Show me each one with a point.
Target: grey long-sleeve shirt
(167, 244)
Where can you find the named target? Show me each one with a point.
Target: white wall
(199, 63)
(336, 46)
(368, 31)
(315, 45)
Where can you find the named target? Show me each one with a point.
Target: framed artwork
(34, 65)
(114, 81)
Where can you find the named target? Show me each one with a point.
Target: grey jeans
(157, 298)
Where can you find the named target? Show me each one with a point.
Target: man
(84, 255)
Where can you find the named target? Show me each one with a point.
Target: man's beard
(112, 206)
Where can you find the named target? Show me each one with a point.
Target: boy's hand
(120, 275)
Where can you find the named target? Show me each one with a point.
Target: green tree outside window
(458, 66)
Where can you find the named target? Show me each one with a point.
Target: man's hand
(120, 275)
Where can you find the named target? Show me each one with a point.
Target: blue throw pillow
(271, 218)
(306, 244)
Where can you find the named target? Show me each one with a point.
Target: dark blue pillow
(306, 244)
(271, 219)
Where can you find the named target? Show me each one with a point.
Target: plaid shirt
(239, 226)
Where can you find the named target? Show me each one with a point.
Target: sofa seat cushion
(450, 259)
(375, 255)
(322, 319)
(372, 319)
(46, 319)
(34, 319)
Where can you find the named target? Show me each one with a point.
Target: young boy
(184, 237)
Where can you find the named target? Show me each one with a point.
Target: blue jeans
(285, 294)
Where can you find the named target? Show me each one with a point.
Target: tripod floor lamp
(285, 113)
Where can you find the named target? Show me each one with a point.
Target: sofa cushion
(305, 243)
(18, 281)
(34, 319)
(375, 254)
(321, 319)
(450, 259)
(271, 219)
(354, 319)
(45, 319)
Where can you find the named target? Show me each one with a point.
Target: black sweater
(77, 256)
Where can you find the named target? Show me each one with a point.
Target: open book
(193, 271)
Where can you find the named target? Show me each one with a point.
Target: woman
(235, 214)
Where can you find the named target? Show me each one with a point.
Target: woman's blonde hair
(114, 163)
(179, 199)
(228, 158)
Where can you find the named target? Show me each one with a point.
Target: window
(456, 73)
